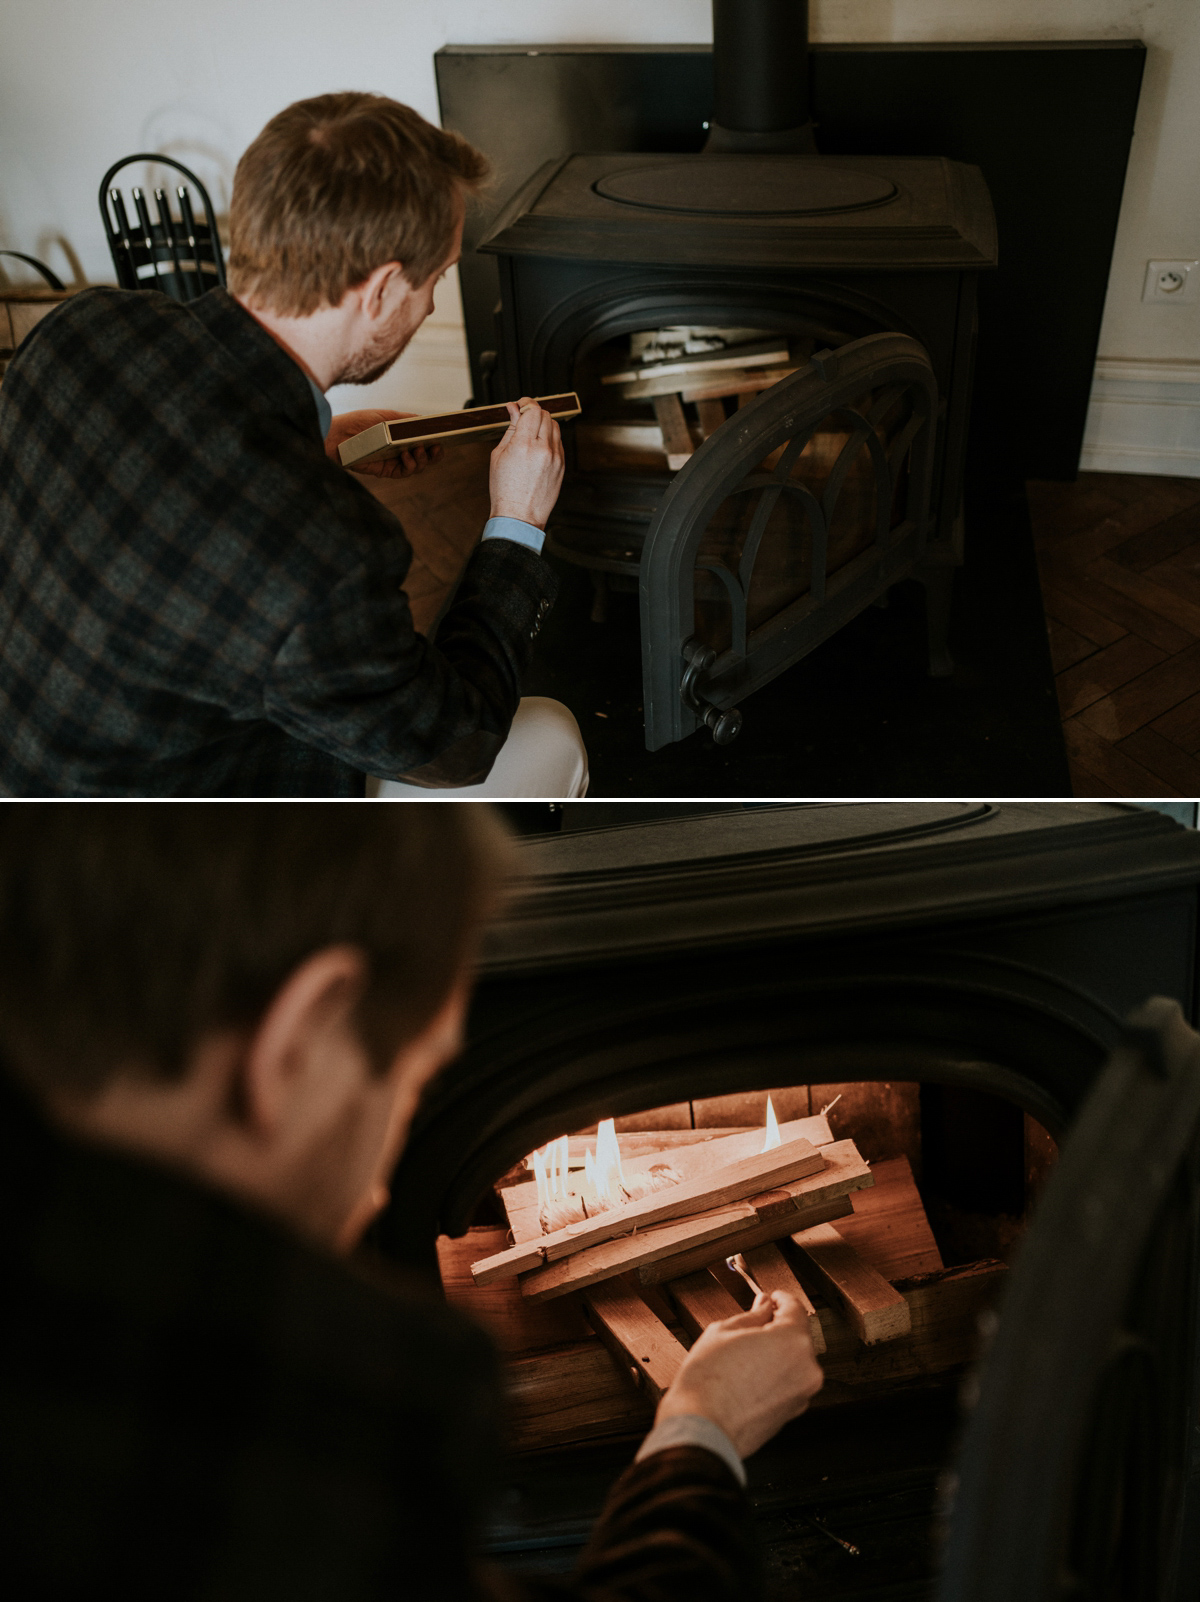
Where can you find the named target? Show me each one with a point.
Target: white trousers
(544, 758)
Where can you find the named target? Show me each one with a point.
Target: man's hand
(527, 465)
(405, 465)
(749, 1374)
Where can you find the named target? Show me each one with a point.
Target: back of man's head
(337, 186)
(130, 932)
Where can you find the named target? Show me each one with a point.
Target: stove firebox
(978, 960)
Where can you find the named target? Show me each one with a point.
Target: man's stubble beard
(375, 359)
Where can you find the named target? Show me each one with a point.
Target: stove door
(1080, 1471)
(793, 516)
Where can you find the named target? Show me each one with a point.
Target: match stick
(737, 1265)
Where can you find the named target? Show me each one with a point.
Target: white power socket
(1171, 283)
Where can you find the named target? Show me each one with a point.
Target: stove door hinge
(725, 726)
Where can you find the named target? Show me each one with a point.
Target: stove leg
(939, 591)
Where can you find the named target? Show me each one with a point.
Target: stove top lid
(880, 212)
(751, 187)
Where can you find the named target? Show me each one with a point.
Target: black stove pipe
(760, 77)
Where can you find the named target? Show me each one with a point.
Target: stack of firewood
(707, 378)
(725, 1196)
(565, 1386)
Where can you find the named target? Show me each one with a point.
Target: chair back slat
(179, 256)
(166, 223)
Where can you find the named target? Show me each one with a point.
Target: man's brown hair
(130, 931)
(336, 186)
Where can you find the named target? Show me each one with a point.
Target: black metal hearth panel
(1055, 170)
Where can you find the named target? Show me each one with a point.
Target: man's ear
(378, 293)
(311, 1011)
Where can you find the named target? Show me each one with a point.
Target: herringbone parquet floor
(1119, 557)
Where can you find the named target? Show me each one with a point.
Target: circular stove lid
(747, 186)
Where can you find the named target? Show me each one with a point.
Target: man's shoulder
(103, 306)
(189, 1389)
(163, 1260)
(101, 346)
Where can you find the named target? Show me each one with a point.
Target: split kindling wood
(701, 1301)
(874, 1308)
(703, 1151)
(665, 1251)
(750, 1234)
(772, 1272)
(718, 1188)
(634, 1334)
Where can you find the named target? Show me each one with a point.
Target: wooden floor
(443, 510)
(1119, 557)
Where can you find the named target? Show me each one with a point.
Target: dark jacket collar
(259, 358)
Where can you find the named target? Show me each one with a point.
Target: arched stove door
(1080, 1470)
(791, 518)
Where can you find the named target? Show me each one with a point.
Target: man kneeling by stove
(216, 1024)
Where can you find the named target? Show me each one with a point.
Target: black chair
(177, 255)
(52, 279)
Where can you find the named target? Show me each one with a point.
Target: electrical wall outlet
(1172, 283)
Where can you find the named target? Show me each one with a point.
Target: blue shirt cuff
(512, 528)
(691, 1429)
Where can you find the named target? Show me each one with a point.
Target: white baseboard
(1144, 417)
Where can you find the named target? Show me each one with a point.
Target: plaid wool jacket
(194, 600)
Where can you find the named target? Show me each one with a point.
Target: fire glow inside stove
(936, 990)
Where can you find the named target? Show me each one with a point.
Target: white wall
(84, 81)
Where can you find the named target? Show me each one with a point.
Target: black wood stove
(800, 507)
(990, 955)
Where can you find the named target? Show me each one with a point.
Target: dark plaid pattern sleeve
(677, 1527)
(196, 601)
